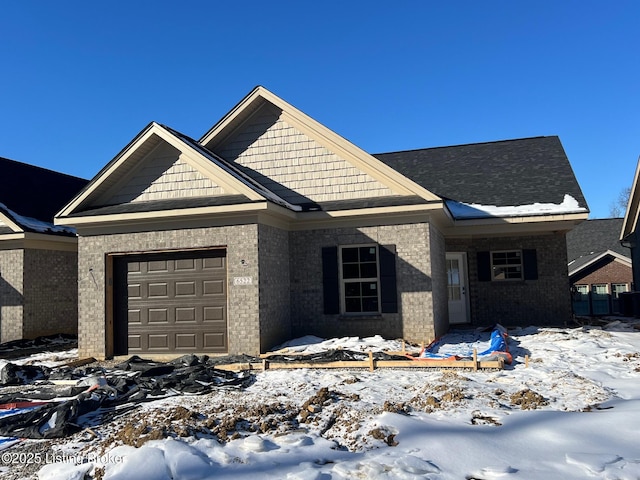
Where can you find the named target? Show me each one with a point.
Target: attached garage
(170, 302)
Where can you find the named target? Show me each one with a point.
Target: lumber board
(80, 362)
(370, 364)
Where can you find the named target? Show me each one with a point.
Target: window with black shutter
(359, 279)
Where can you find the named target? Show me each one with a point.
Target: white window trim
(606, 285)
(494, 279)
(343, 308)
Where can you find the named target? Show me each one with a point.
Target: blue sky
(80, 79)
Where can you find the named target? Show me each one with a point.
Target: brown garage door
(171, 303)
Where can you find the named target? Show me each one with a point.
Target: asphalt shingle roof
(505, 173)
(36, 192)
(593, 237)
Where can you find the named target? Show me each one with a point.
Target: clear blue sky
(80, 78)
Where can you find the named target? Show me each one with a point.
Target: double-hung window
(360, 279)
(506, 265)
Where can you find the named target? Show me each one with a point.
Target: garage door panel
(158, 315)
(135, 343)
(186, 340)
(175, 302)
(185, 314)
(184, 289)
(158, 341)
(214, 341)
(214, 263)
(214, 314)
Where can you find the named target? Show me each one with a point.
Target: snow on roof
(472, 210)
(35, 225)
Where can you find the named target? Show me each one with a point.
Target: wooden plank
(426, 363)
(80, 362)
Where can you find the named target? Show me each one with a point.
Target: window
(506, 265)
(618, 288)
(359, 279)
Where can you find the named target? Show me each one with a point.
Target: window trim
(492, 266)
(342, 281)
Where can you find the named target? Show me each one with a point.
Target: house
(630, 233)
(599, 267)
(38, 260)
(272, 226)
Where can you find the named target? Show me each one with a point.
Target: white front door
(457, 288)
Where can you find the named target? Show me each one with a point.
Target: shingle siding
(165, 176)
(294, 166)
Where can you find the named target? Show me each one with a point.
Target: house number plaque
(242, 280)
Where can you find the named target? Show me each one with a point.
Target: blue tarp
(461, 348)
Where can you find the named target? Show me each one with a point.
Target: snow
(35, 224)
(462, 210)
(398, 424)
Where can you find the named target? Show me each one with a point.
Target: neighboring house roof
(528, 172)
(593, 240)
(630, 224)
(30, 196)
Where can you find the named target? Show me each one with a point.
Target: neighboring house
(630, 233)
(599, 267)
(38, 260)
(272, 226)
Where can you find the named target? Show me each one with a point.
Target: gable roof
(35, 192)
(593, 240)
(260, 96)
(242, 187)
(630, 224)
(595, 236)
(506, 173)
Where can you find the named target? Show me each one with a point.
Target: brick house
(599, 267)
(38, 260)
(272, 226)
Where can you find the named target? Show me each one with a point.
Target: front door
(457, 288)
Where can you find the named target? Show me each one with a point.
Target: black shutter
(330, 281)
(388, 284)
(530, 264)
(484, 266)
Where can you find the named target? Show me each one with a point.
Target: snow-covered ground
(572, 413)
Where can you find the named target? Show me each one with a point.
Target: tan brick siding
(295, 166)
(241, 243)
(545, 301)
(11, 294)
(51, 298)
(415, 320)
(275, 306)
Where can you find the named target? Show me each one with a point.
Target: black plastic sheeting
(333, 356)
(112, 392)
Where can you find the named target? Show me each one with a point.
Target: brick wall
(275, 308)
(605, 271)
(241, 243)
(51, 292)
(415, 319)
(11, 294)
(545, 301)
